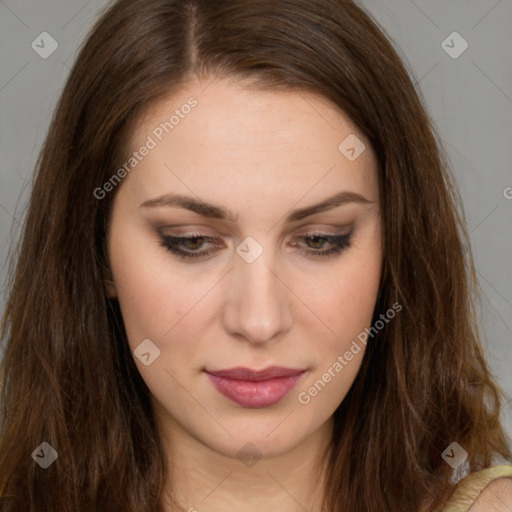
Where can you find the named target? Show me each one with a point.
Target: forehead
(216, 134)
(229, 111)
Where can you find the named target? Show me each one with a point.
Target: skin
(259, 154)
(496, 497)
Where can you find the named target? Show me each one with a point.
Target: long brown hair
(67, 376)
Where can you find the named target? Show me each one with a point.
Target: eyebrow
(217, 212)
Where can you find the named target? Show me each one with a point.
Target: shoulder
(495, 497)
(486, 490)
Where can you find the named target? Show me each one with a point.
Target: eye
(187, 246)
(324, 244)
(313, 244)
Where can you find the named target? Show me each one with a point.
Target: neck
(201, 479)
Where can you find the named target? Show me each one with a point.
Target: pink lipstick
(255, 388)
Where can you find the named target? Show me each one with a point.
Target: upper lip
(241, 373)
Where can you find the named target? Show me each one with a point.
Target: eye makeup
(312, 244)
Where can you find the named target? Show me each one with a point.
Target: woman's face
(246, 236)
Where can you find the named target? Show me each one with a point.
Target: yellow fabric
(471, 486)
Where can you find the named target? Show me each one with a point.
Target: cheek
(345, 301)
(345, 298)
(152, 306)
(146, 299)
(357, 292)
(157, 300)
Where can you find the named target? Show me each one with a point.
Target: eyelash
(339, 242)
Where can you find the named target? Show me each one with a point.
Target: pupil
(317, 241)
(194, 242)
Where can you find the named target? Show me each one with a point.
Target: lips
(255, 388)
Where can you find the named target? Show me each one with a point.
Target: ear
(110, 285)
(111, 289)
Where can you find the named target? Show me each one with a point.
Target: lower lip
(248, 393)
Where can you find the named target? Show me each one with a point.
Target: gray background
(469, 98)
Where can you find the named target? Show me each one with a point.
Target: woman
(244, 281)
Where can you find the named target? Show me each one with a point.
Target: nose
(257, 308)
